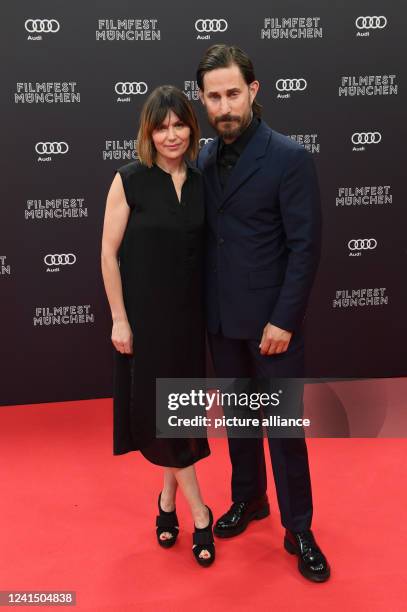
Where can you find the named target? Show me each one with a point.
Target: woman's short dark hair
(154, 111)
(223, 56)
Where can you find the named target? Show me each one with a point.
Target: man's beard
(229, 132)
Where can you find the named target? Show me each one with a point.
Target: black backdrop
(65, 84)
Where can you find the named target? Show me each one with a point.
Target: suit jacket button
(221, 210)
(221, 241)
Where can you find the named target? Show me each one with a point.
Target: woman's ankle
(201, 517)
(167, 500)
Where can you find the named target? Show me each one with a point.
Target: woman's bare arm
(116, 216)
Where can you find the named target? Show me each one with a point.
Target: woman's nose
(171, 133)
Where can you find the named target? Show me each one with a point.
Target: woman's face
(171, 138)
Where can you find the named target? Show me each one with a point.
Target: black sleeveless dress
(161, 267)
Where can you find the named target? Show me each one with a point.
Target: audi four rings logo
(363, 244)
(36, 26)
(211, 25)
(64, 259)
(131, 88)
(46, 148)
(291, 84)
(204, 141)
(366, 138)
(371, 23)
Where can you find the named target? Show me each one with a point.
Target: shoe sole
(291, 549)
(256, 516)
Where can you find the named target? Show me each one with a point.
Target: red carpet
(73, 517)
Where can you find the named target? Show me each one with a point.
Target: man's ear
(201, 96)
(253, 88)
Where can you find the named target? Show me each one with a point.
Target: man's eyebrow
(228, 91)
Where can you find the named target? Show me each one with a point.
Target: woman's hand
(122, 336)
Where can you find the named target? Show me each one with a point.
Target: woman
(154, 223)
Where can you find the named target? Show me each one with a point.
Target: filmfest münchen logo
(366, 195)
(120, 150)
(308, 141)
(56, 208)
(359, 298)
(128, 29)
(47, 93)
(286, 87)
(368, 85)
(361, 139)
(206, 27)
(126, 89)
(291, 27)
(5, 268)
(365, 24)
(54, 261)
(191, 90)
(46, 150)
(357, 246)
(36, 28)
(63, 315)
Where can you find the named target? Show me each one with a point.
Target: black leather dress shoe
(239, 515)
(312, 562)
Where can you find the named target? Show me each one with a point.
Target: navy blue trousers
(235, 358)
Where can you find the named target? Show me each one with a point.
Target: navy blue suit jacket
(263, 236)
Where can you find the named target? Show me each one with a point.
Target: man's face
(228, 101)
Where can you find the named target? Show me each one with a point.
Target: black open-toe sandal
(203, 540)
(166, 522)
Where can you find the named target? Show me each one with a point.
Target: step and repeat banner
(76, 78)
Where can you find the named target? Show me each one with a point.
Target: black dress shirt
(228, 154)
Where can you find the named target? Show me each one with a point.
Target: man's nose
(224, 106)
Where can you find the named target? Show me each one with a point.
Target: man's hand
(274, 340)
(122, 337)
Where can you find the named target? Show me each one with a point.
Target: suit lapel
(249, 161)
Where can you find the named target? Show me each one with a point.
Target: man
(264, 225)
